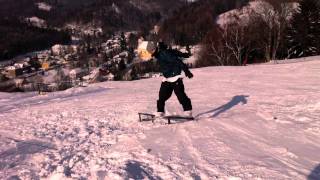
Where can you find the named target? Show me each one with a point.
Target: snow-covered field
(254, 122)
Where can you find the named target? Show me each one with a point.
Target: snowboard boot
(187, 114)
(159, 114)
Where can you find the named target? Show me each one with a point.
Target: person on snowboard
(171, 66)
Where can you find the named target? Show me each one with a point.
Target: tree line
(18, 37)
(279, 31)
(189, 24)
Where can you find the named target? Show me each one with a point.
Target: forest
(18, 38)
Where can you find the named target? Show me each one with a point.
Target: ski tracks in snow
(204, 169)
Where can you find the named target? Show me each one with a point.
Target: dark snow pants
(166, 92)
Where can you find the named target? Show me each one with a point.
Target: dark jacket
(171, 62)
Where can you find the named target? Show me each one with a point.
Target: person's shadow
(315, 173)
(234, 102)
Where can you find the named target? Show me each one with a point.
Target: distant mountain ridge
(109, 15)
(114, 15)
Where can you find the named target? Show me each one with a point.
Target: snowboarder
(171, 66)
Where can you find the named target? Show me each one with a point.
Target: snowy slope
(255, 122)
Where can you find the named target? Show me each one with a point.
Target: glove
(189, 74)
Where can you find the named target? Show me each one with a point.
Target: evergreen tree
(123, 42)
(133, 73)
(304, 33)
(122, 65)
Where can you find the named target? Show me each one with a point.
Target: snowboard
(178, 118)
(169, 118)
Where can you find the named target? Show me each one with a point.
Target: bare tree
(218, 52)
(214, 49)
(232, 45)
(276, 16)
(234, 37)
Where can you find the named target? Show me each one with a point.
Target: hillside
(122, 14)
(108, 16)
(18, 18)
(254, 122)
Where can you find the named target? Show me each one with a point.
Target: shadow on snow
(315, 173)
(136, 170)
(15, 156)
(236, 100)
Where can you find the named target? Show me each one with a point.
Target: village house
(93, 63)
(93, 77)
(62, 50)
(43, 55)
(77, 73)
(2, 75)
(17, 69)
(37, 22)
(110, 77)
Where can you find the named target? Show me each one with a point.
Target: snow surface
(254, 122)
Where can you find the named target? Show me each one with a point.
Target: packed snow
(253, 122)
